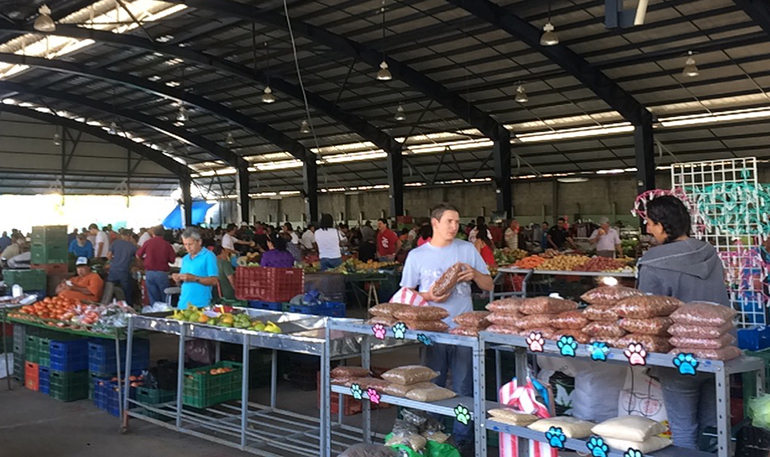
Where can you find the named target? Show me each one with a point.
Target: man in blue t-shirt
(423, 267)
(199, 272)
(81, 247)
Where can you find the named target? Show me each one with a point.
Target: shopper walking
(387, 241)
(423, 267)
(101, 242)
(157, 254)
(328, 240)
(121, 257)
(199, 272)
(690, 270)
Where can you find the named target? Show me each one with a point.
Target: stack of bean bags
(470, 323)
(426, 318)
(347, 376)
(704, 330)
(546, 315)
(413, 382)
(505, 316)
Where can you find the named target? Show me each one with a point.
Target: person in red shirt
(497, 235)
(157, 253)
(485, 247)
(387, 242)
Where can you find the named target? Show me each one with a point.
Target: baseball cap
(244, 223)
(81, 261)
(604, 220)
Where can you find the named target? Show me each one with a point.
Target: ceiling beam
(758, 10)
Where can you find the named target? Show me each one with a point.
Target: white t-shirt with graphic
(427, 263)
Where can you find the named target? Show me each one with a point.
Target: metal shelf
(623, 274)
(409, 335)
(443, 407)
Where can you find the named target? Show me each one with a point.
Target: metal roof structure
(607, 97)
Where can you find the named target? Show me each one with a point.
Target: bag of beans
(421, 313)
(431, 394)
(511, 416)
(506, 306)
(509, 320)
(382, 320)
(473, 319)
(646, 306)
(410, 374)
(349, 372)
(601, 313)
(375, 383)
(547, 305)
(608, 295)
(612, 342)
(427, 326)
(728, 353)
(386, 309)
(604, 330)
(705, 314)
(504, 329)
(400, 390)
(651, 343)
(465, 331)
(570, 319)
(580, 337)
(536, 320)
(651, 326)
(703, 343)
(699, 331)
(546, 332)
(448, 280)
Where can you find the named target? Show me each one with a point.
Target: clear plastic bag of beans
(506, 305)
(651, 326)
(702, 313)
(547, 305)
(508, 320)
(386, 321)
(604, 330)
(601, 313)
(421, 313)
(447, 281)
(703, 343)
(473, 319)
(647, 306)
(570, 320)
(504, 329)
(699, 331)
(608, 295)
(410, 374)
(651, 343)
(427, 326)
(546, 332)
(350, 372)
(536, 320)
(580, 337)
(386, 309)
(465, 331)
(728, 353)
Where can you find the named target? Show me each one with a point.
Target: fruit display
(603, 264)
(251, 259)
(571, 262)
(507, 256)
(563, 263)
(224, 317)
(530, 263)
(66, 313)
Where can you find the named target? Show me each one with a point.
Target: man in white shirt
(101, 242)
(229, 240)
(308, 239)
(287, 228)
(512, 235)
(146, 235)
(606, 239)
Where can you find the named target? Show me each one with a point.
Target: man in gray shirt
(368, 235)
(121, 256)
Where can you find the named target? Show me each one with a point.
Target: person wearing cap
(81, 247)
(606, 239)
(85, 286)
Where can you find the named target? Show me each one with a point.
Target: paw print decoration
(356, 391)
(374, 397)
(379, 331)
(636, 354)
(599, 351)
(597, 447)
(567, 346)
(556, 438)
(535, 342)
(633, 453)
(686, 364)
(462, 414)
(424, 339)
(399, 330)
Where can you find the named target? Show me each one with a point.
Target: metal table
(501, 272)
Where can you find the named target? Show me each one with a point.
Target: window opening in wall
(269, 218)
(342, 216)
(382, 213)
(285, 217)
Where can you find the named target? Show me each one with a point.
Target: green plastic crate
(148, 396)
(69, 386)
(46, 253)
(32, 349)
(44, 352)
(750, 379)
(27, 279)
(49, 234)
(202, 389)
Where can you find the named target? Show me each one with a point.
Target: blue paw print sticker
(355, 389)
(556, 438)
(687, 364)
(599, 351)
(567, 345)
(399, 330)
(597, 448)
(424, 339)
(633, 453)
(462, 414)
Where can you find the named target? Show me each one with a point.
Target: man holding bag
(424, 266)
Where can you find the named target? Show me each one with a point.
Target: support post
(186, 182)
(396, 181)
(501, 151)
(63, 160)
(310, 187)
(645, 157)
(243, 192)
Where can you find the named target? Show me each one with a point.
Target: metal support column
(502, 158)
(723, 413)
(310, 187)
(325, 445)
(186, 182)
(396, 182)
(645, 157)
(245, 391)
(243, 192)
(366, 362)
(63, 160)
(479, 398)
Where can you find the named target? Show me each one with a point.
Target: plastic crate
(48, 253)
(754, 339)
(32, 376)
(268, 284)
(44, 380)
(107, 395)
(32, 349)
(28, 279)
(49, 234)
(102, 359)
(68, 355)
(331, 285)
(51, 268)
(19, 335)
(18, 368)
(44, 351)
(203, 389)
(69, 386)
(270, 306)
(150, 397)
(328, 309)
(749, 380)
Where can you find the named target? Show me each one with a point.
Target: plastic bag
(430, 394)
(698, 331)
(386, 309)
(580, 337)
(201, 351)
(414, 418)
(570, 319)
(759, 411)
(604, 330)
(547, 305)
(508, 320)
(601, 313)
(703, 343)
(375, 383)
(436, 437)
(546, 332)
(465, 331)
(653, 326)
(513, 417)
(447, 281)
(647, 306)
(428, 326)
(504, 329)
(608, 295)
(349, 372)
(386, 321)
(415, 442)
(473, 319)
(410, 374)
(728, 353)
(536, 320)
(506, 305)
(421, 313)
(400, 390)
(403, 428)
(434, 449)
(705, 314)
(369, 450)
(347, 382)
(651, 343)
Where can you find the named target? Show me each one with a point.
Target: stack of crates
(49, 245)
(29, 280)
(65, 358)
(103, 370)
(19, 341)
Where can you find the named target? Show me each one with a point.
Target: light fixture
(400, 115)
(56, 139)
(549, 38)
(230, 140)
(690, 69)
(572, 179)
(181, 116)
(305, 127)
(113, 128)
(521, 95)
(384, 74)
(267, 96)
(44, 22)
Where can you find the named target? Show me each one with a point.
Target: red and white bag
(524, 399)
(408, 297)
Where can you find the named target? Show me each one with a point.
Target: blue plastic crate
(270, 306)
(328, 309)
(44, 380)
(69, 355)
(106, 395)
(754, 339)
(102, 359)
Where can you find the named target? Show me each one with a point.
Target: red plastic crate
(269, 284)
(32, 376)
(51, 268)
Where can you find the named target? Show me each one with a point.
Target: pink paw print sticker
(636, 354)
(374, 397)
(379, 331)
(535, 342)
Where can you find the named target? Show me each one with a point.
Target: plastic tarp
(199, 209)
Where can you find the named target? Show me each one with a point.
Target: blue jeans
(157, 282)
(330, 264)
(458, 360)
(690, 405)
(126, 283)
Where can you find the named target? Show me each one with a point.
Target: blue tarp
(174, 219)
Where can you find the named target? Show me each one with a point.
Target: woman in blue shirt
(81, 247)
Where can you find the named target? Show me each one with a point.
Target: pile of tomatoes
(57, 308)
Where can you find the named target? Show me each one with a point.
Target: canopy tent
(199, 210)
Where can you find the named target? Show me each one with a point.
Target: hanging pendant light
(230, 140)
(521, 95)
(181, 116)
(44, 22)
(56, 139)
(690, 69)
(384, 74)
(549, 38)
(267, 96)
(400, 115)
(305, 127)
(113, 128)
